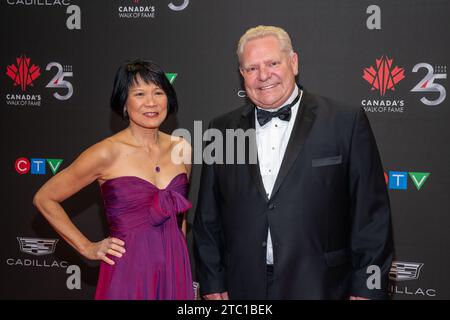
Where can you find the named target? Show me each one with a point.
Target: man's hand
(216, 296)
(357, 298)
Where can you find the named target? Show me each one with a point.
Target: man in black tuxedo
(311, 218)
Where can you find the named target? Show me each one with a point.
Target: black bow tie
(284, 113)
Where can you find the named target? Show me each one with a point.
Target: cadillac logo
(402, 271)
(37, 247)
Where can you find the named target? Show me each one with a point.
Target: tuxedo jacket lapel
(303, 124)
(247, 121)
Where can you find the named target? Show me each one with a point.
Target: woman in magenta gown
(143, 175)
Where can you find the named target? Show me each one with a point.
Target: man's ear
(294, 62)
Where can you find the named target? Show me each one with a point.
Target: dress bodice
(131, 202)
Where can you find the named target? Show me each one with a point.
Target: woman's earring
(125, 112)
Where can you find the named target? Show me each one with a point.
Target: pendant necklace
(157, 167)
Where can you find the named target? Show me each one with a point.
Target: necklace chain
(157, 166)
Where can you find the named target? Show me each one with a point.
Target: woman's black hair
(128, 75)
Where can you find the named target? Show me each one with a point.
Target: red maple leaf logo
(22, 74)
(384, 76)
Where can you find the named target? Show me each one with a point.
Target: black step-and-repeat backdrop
(58, 59)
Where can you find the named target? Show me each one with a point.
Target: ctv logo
(37, 165)
(399, 179)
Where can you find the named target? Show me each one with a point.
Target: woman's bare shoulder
(106, 150)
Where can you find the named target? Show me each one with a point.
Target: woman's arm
(88, 167)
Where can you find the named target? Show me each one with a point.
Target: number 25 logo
(59, 82)
(427, 84)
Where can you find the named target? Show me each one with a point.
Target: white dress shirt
(271, 141)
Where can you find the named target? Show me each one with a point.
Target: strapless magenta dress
(156, 263)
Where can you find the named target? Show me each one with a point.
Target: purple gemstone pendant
(158, 169)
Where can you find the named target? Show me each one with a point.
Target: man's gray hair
(264, 31)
